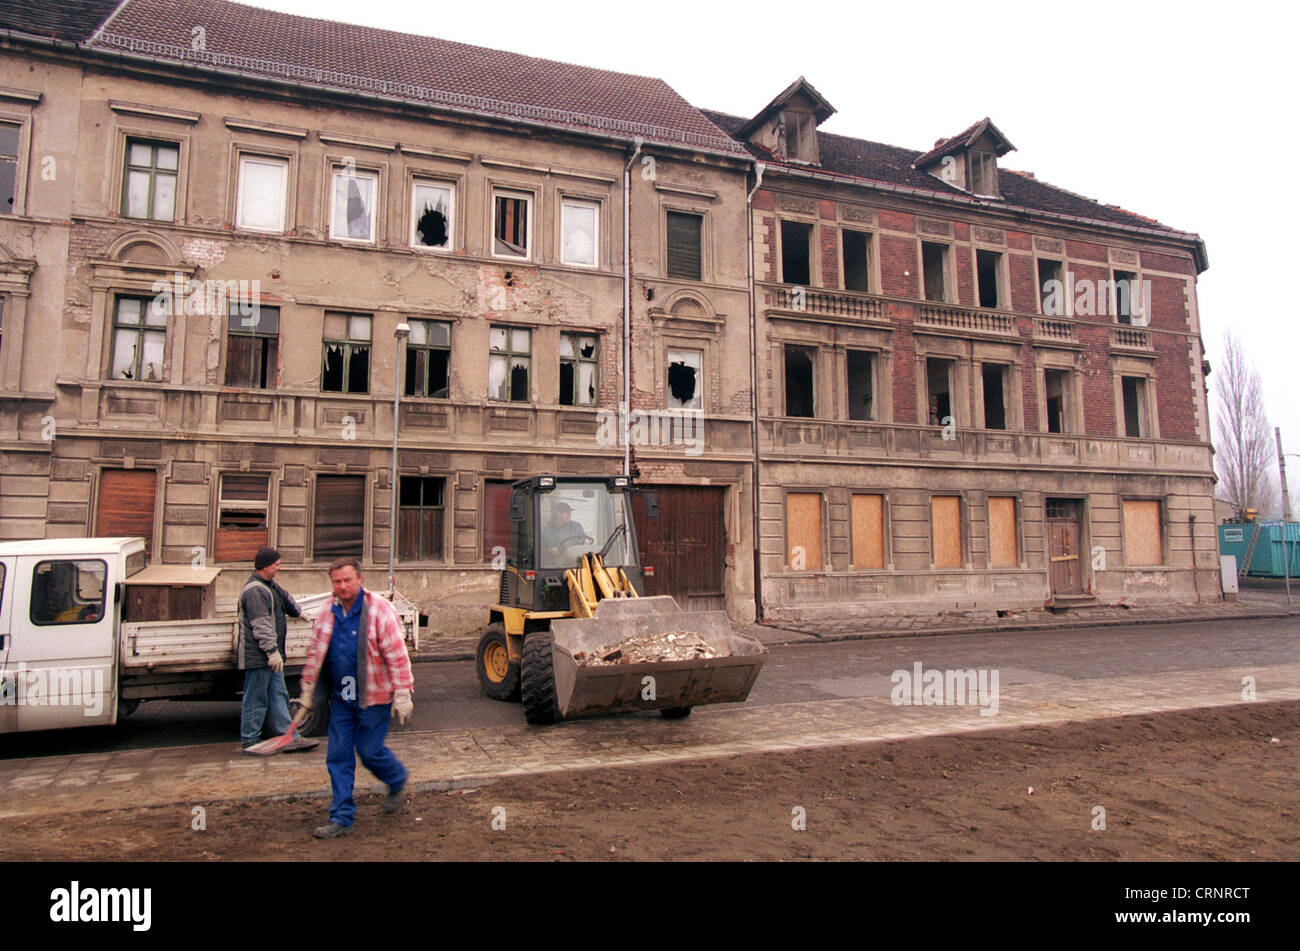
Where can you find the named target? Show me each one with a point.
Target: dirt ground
(1220, 784)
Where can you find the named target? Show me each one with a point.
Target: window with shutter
(339, 518)
(685, 260)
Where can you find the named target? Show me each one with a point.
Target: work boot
(331, 831)
(300, 744)
(393, 801)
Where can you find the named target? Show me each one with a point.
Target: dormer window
(800, 137)
(786, 128)
(968, 160)
(983, 176)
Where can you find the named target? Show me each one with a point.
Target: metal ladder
(1250, 551)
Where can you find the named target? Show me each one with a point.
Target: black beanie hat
(264, 557)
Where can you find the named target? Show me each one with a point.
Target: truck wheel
(498, 675)
(675, 713)
(317, 722)
(537, 679)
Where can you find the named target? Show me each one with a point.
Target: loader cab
(554, 521)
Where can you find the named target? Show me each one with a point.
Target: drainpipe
(759, 168)
(627, 307)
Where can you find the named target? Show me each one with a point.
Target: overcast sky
(1183, 112)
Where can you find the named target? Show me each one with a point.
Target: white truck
(88, 632)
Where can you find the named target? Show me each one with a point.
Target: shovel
(276, 743)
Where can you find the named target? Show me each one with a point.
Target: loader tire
(497, 674)
(675, 713)
(537, 679)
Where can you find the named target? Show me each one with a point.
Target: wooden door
(686, 545)
(1063, 535)
(126, 505)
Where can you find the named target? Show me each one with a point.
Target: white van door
(63, 635)
(8, 688)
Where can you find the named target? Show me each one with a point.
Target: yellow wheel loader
(570, 592)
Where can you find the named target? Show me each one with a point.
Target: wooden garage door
(126, 500)
(686, 545)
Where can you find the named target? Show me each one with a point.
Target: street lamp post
(400, 334)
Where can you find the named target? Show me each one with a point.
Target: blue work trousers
(264, 692)
(356, 732)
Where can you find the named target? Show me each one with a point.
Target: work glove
(402, 705)
(275, 661)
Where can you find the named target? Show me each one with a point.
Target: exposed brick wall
(898, 266)
(1166, 262)
(1174, 400)
(830, 251)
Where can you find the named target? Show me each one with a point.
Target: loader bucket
(584, 689)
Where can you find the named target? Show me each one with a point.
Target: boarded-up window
(945, 530)
(340, 517)
(420, 517)
(1142, 532)
(685, 261)
(868, 531)
(242, 516)
(126, 499)
(803, 531)
(496, 517)
(1003, 549)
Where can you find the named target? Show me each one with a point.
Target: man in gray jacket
(263, 607)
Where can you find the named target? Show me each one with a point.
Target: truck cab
(60, 606)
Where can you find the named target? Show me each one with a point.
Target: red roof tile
(407, 66)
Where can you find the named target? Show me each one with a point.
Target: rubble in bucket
(648, 648)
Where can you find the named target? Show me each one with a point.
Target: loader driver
(563, 531)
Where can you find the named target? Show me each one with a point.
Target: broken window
(684, 379)
(428, 356)
(347, 354)
(799, 380)
(431, 215)
(856, 247)
(139, 337)
(934, 267)
(995, 406)
(263, 186)
(1056, 385)
(420, 517)
(1135, 406)
(938, 379)
(800, 137)
(796, 252)
(685, 255)
(579, 226)
(353, 216)
(861, 370)
(983, 173)
(512, 225)
(10, 135)
(252, 346)
(578, 359)
(508, 362)
(1051, 287)
(988, 272)
(149, 186)
(243, 507)
(1122, 302)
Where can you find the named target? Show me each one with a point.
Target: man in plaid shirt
(367, 678)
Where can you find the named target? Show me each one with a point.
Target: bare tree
(1245, 455)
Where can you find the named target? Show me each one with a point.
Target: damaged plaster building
(198, 154)
(931, 428)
